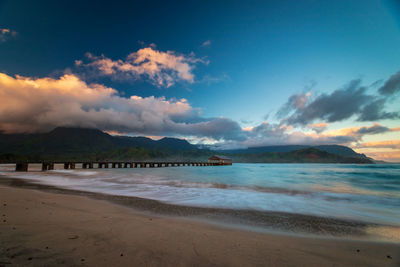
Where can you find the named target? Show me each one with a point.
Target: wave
(75, 172)
(376, 175)
(101, 178)
(383, 166)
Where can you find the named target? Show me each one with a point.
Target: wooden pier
(23, 166)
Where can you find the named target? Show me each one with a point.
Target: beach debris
(73, 237)
(389, 257)
(30, 258)
(121, 255)
(358, 250)
(82, 259)
(47, 247)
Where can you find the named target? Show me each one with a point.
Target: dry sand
(46, 229)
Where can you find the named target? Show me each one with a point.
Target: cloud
(5, 34)
(208, 79)
(375, 129)
(30, 105)
(217, 128)
(270, 134)
(295, 102)
(359, 131)
(339, 105)
(392, 144)
(41, 104)
(206, 43)
(274, 137)
(38, 105)
(375, 111)
(318, 127)
(267, 134)
(344, 103)
(163, 69)
(392, 85)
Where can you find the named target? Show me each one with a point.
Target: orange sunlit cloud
(393, 144)
(359, 130)
(31, 105)
(163, 69)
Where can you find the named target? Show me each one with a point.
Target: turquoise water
(369, 193)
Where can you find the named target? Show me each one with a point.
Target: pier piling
(21, 167)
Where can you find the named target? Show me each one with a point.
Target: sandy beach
(49, 229)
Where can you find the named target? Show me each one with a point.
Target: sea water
(369, 193)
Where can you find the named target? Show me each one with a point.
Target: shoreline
(43, 228)
(253, 220)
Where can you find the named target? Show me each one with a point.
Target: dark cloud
(295, 102)
(375, 111)
(375, 129)
(391, 86)
(216, 128)
(351, 100)
(339, 105)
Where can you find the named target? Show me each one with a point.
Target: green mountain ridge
(91, 144)
(303, 155)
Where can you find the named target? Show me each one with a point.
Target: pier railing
(23, 166)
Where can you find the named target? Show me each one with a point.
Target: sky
(231, 74)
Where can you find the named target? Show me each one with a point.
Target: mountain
(303, 155)
(91, 144)
(173, 143)
(65, 140)
(343, 151)
(264, 149)
(78, 143)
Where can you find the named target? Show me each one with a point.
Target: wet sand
(249, 219)
(40, 228)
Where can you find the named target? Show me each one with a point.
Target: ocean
(367, 193)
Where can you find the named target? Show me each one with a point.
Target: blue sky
(246, 59)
